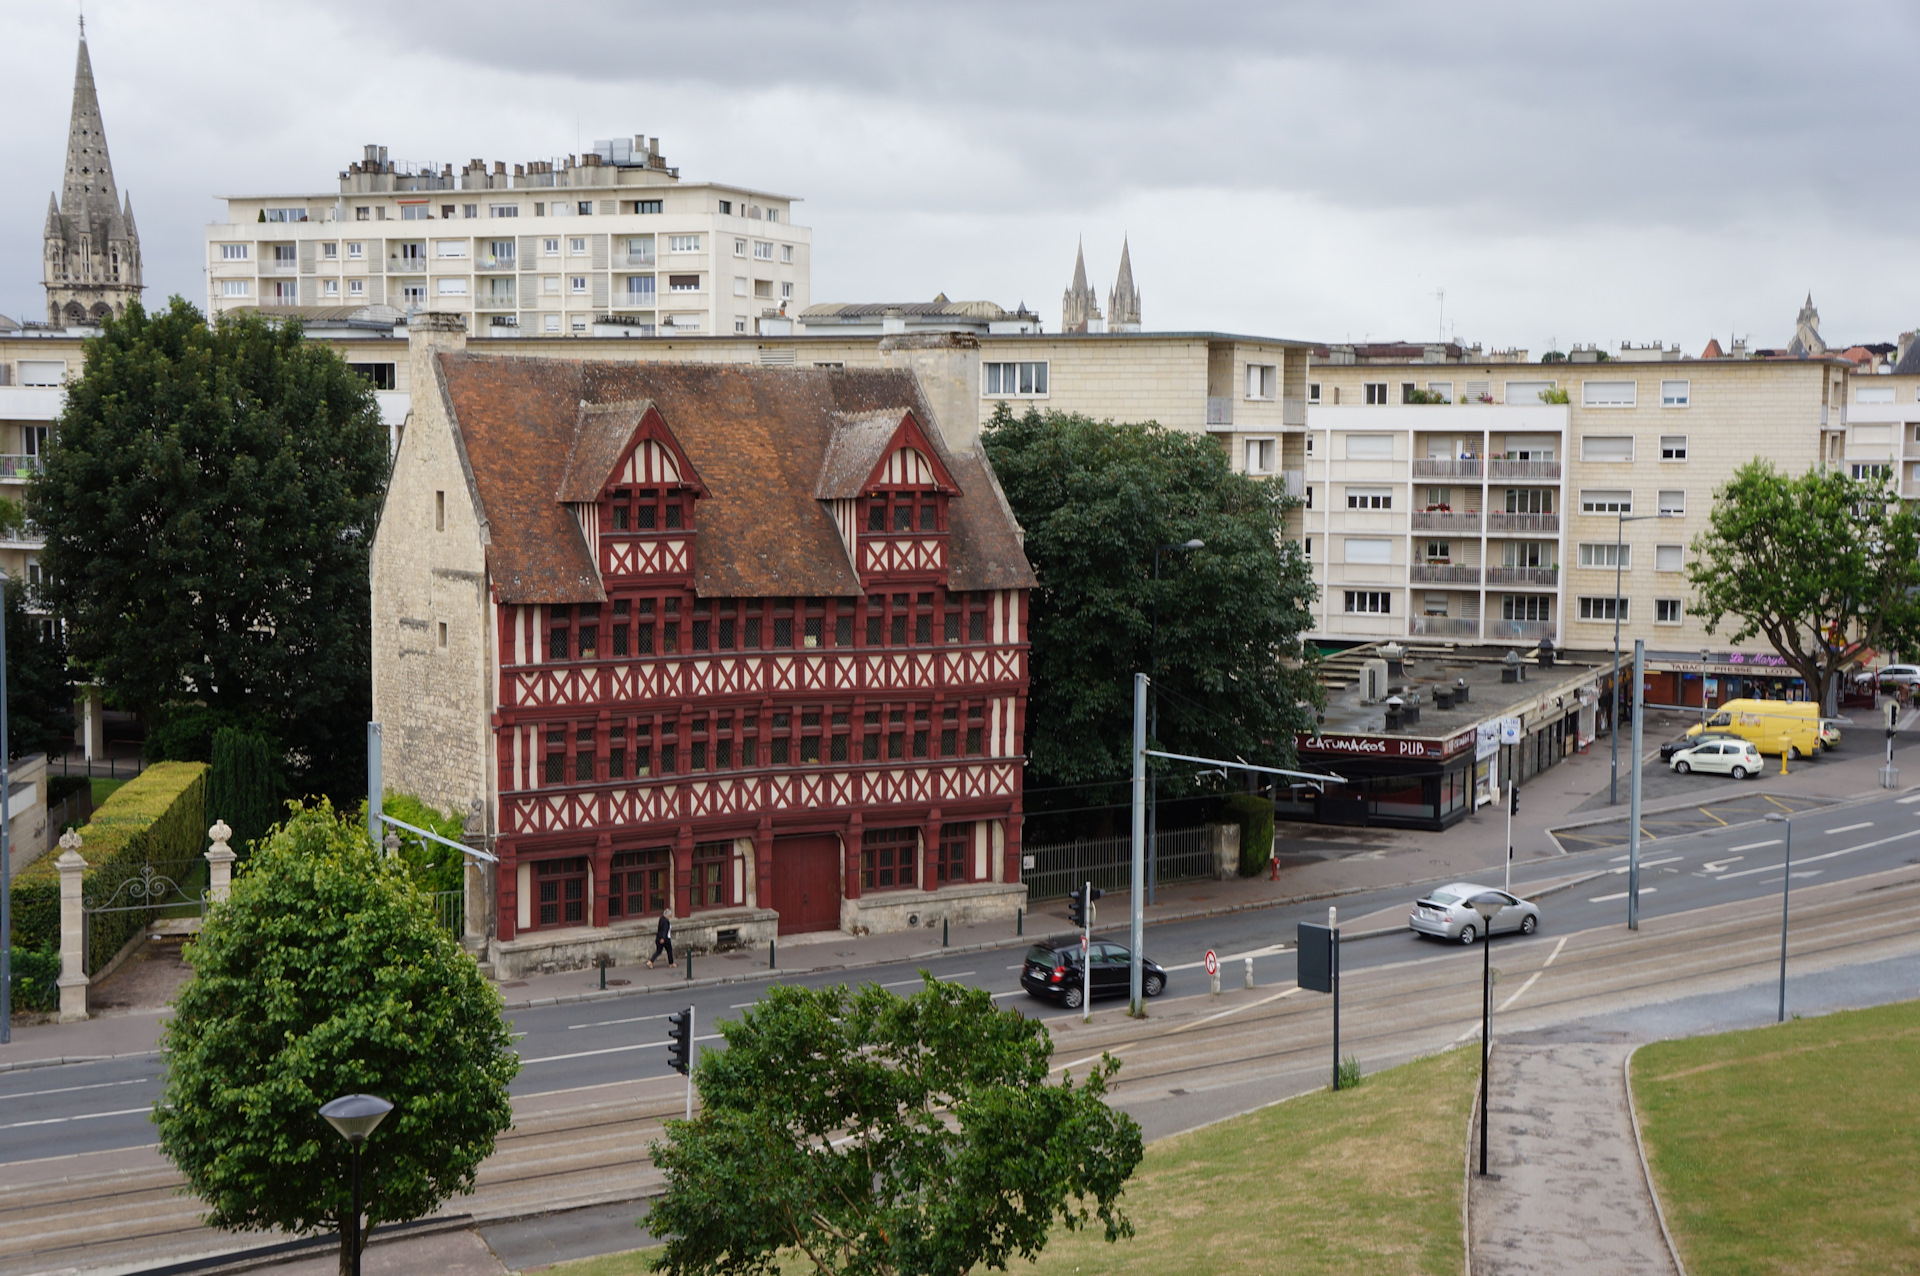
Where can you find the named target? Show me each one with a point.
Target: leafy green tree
(326, 973)
(434, 867)
(881, 1135)
(1809, 563)
(39, 688)
(208, 503)
(1095, 499)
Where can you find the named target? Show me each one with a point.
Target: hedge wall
(157, 818)
(1255, 816)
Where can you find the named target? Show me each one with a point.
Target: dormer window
(647, 509)
(903, 512)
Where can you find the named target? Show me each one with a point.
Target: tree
(1095, 499)
(1809, 563)
(242, 784)
(326, 973)
(208, 504)
(880, 1135)
(39, 689)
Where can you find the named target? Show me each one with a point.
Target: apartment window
(233, 252)
(1672, 503)
(1534, 607)
(42, 372)
(469, 210)
(577, 284)
(1369, 602)
(235, 288)
(440, 511)
(1309, 445)
(956, 843)
(1527, 392)
(786, 254)
(773, 214)
(739, 286)
(503, 210)
(739, 248)
(284, 255)
(551, 323)
(1259, 456)
(786, 290)
(1673, 447)
(362, 214)
(452, 287)
(577, 324)
(1436, 605)
(1668, 558)
(1606, 502)
(577, 246)
(1606, 448)
(1602, 608)
(1872, 473)
(1369, 549)
(683, 243)
(1369, 447)
(887, 858)
(446, 212)
(1526, 554)
(1307, 547)
(356, 287)
(638, 884)
(1369, 498)
(562, 891)
(762, 251)
(1440, 391)
(648, 205)
(584, 208)
(739, 324)
(1602, 554)
(550, 247)
(1376, 393)
(356, 251)
(1313, 392)
(1608, 394)
(450, 248)
(1262, 378)
(415, 213)
(1666, 611)
(1674, 394)
(683, 283)
(1016, 379)
(330, 288)
(1479, 392)
(330, 251)
(726, 208)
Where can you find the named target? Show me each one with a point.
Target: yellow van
(1772, 725)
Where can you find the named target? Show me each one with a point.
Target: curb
(62, 1060)
(247, 1260)
(1646, 1173)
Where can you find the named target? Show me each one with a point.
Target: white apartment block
(1447, 500)
(609, 243)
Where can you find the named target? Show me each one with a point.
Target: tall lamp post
(1488, 905)
(355, 1116)
(1786, 887)
(1153, 708)
(6, 850)
(1619, 538)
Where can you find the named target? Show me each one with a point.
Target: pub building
(745, 642)
(1417, 736)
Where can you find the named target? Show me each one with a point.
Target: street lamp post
(1619, 540)
(6, 849)
(1786, 887)
(1153, 708)
(1706, 658)
(354, 1116)
(1488, 905)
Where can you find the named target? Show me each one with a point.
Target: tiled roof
(1909, 365)
(758, 438)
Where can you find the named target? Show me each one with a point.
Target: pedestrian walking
(663, 938)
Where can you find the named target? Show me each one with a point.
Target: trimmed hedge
(1255, 816)
(158, 818)
(36, 978)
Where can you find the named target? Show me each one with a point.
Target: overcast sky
(1569, 172)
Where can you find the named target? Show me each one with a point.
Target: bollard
(1216, 983)
(1249, 972)
(1019, 921)
(772, 961)
(943, 932)
(603, 972)
(689, 964)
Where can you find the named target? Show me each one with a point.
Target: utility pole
(1633, 808)
(6, 849)
(1135, 1005)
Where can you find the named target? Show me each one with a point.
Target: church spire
(1123, 303)
(1080, 306)
(89, 178)
(92, 258)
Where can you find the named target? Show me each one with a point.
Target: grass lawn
(101, 788)
(1367, 1180)
(1789, 1149)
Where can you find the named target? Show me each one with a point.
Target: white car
(1737, 758)
(1890, 676)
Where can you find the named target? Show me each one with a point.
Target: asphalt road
(576, 1049)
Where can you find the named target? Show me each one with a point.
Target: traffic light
(1513, 799)
(680, 1041)
(1077, 907)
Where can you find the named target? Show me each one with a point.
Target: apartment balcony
(1518, 630)
(1442, 627)
(487, 261)
(1501, 521)
(1548, 577)
(494, 301)
(1439, 467)
(1219, 410)
(1467, 521)
(1443, 574)
(407, 266)
(18, 469)
(1526, 471)
(1295, 482)
(279, 267)
(643, 260)
(1293, 411)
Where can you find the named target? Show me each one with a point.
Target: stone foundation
(882, 912)
(544, 952)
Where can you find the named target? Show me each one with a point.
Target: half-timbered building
(745, 642)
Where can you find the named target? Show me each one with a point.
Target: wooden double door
(806, 882)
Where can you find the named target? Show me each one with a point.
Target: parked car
(1671, 747)
(1052, 971)
(1737, 758)
(1445, 914)
(1890, 675)
(1829, 736)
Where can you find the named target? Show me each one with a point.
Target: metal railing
(1445, 521)
(1501, 521)
(1549, 576)
(1107, 862)
(1442, 627)
(1444, 467)
(1499, 468)
(1532, 630)
(1219, 410)
(19, 467)
(645, 260)
(451, 908)
(1443, 574)
(109, 769)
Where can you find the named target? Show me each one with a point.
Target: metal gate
(108, 921)
(1107, 862)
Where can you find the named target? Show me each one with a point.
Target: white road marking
(1270, 950)
(1522, 989)
(1245, 1005)
(1852, 828)
(1827, 855)
(1555, 953)
(1602, 899)
(588, 1054)
(1671, 859)
(1720, 866)
(1905, 800)
(609, 1023)
(1017, 992)
(83, 1116)
(69, 1089)
(1755, 846)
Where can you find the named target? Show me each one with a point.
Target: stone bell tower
(92, 248)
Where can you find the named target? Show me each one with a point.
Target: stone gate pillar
(72, 981)
(219, 863)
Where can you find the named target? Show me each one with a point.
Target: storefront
(1704, 679)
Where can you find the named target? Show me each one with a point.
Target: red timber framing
(670, 738)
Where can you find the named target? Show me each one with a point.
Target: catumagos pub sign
(1382, 746)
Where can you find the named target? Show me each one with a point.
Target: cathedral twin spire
(92, 262)
(1080, 306)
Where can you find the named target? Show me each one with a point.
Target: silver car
(1444, 913)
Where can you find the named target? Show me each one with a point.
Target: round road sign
(1213, 963)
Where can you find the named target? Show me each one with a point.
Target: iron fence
(451, 907)
(1107, 862)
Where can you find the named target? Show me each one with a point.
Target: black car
(1052, 970)
(1671, 747)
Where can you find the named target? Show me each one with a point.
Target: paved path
(1570, 1196)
